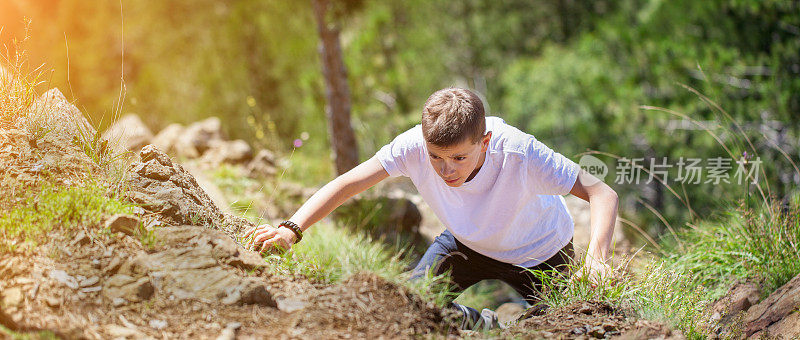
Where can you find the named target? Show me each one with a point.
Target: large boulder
(199, 137)
(230, 152)
(262, 165)
(191, 263)
(166, 189)
(53, 113)
(167, 139)
(128, 134)
(53, 138)
(392, 219)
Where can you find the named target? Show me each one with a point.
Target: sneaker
(472, 320)
(489, 320)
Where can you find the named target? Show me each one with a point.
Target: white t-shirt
(511, 210)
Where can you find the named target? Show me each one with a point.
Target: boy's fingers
(265, 235)
(250, 230)
(268, 243)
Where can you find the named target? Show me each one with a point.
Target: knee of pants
(439, 264)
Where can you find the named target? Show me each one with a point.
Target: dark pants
(468, 267)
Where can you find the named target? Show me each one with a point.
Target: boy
(496, 189)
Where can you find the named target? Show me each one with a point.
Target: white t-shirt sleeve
(402, 155)
(549, 172)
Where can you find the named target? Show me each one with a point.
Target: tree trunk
(340, 132)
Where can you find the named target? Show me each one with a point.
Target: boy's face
(456, 164)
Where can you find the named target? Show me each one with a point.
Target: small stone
(63, 277)
(116, 302)
(13, 297)
(113, 266)
(290, 305)
(80, 239)
(158, 324)
(125, 224)
(227, 334)
(23, 281)
(89, 281)
(233, 298)
(597, 332)
(257, 293)
(91, 289)
(52, 302)
(578, 330)
(122, 332)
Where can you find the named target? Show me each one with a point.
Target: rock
(125, 224)
(7, 321)
(509, 312)
(198, 137)
(157, 324)
(288, 305)
(230, 152)
(192, 263)
(167, 138)
(128, 288)
(116, 302)
(391, 218)
(12, 297)
(128, 134)
(89, 281)
(738, 299)
(787, 328)
(53, 111)
(80, 239)
(166, 189)
(262, 165)
(123, 332)
(91, 289)
(113, 266)
(227, 334)
(247, 260)
(597, 332)
(255, 292)
(52, 302)
(10, 267)
(63, 277)
(774, 308)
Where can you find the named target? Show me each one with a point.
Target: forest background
(644, 79)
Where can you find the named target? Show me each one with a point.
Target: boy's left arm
(603, 202)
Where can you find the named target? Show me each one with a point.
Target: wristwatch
(294, 228)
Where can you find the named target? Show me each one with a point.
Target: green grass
(744, 244)
(52, 206)
(328, 255)
(42, 335)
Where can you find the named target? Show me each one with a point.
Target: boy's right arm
(322, 203)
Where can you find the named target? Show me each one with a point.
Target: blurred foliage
(573, 73)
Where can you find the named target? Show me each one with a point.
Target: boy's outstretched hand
(265, 238)
(596, 271)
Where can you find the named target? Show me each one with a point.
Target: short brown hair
(453, 115)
